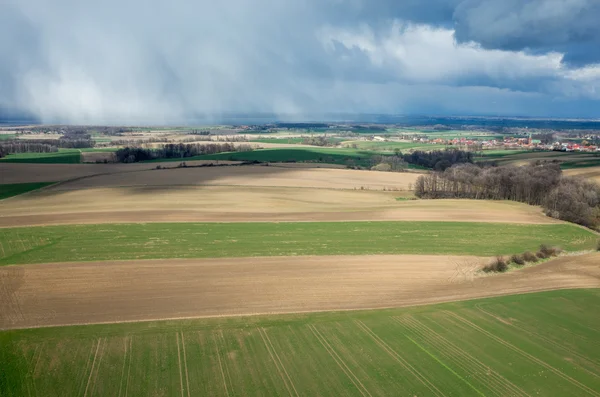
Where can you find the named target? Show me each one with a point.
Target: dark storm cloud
(166, 61)
(568, 26)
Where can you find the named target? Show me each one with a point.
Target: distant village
(525, 143)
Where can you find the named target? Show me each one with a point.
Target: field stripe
(187, 379)
(399, 359)
(463, 359)
(545, 339)
(353, 378)
(469, 360)
(102, 350)
(87, 363)
(93, 365)
(525, 354)
(179, 364)
(129, 365)
(221, 365)
(277, 364)
(125, 344)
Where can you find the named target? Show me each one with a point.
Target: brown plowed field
(252, 176)
(590, 173)
(245, 204)
(25, 173)
(58, 294)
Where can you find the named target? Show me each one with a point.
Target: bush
(529, 257)
(549, 251)
(499, 265)
(517, 260)
(541, 255)
(598, 246)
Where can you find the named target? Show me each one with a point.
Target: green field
(63, 156)
(6, 137)
(533, 344)
(47, 244)
(320, 155)
(14, 189)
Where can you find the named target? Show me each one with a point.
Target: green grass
(47, 244)
(6, 137)
(341, 156)
(14, 189)
(320, 155)
(533, 344)
(63, 156)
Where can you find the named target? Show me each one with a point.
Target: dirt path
(59, 294)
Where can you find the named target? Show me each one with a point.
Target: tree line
(134, 154)
(571, 199)
(12, 147)
(438, 160)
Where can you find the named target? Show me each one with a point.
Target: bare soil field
(60, 294)
(587, 172)
(27, 173)
(252, 176)
(247, 204)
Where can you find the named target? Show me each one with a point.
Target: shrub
(549, 251)
(598, 246)
(541, 255)
(529, 257)
(499, 265)
(517, 260)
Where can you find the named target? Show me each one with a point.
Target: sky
(169, 61)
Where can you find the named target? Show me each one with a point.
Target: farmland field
(10, 190)
(533, 344)
(63, 156)
(568, 160)
(297, 277)
(205, 240)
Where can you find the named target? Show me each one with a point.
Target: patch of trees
(318, 141)
(568, 198)
(175, 150)
(438, 160)
(25, 147)
(388, 163)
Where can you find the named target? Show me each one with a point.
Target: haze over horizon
(164, 62)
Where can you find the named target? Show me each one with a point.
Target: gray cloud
(568, 26)
(132, 61)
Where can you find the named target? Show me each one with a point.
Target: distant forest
(176, 151)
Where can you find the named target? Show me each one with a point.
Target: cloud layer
(131, 61)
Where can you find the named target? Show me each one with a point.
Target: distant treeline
(438, 160)
(301, 125)
(318, 141)
(71, 139)
(542, 183)
(25, 147)
(176, 151)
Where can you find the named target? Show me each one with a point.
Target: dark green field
(522, 345)
(214, 240)
(14, 189)
(63, 156)
(320, 155)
